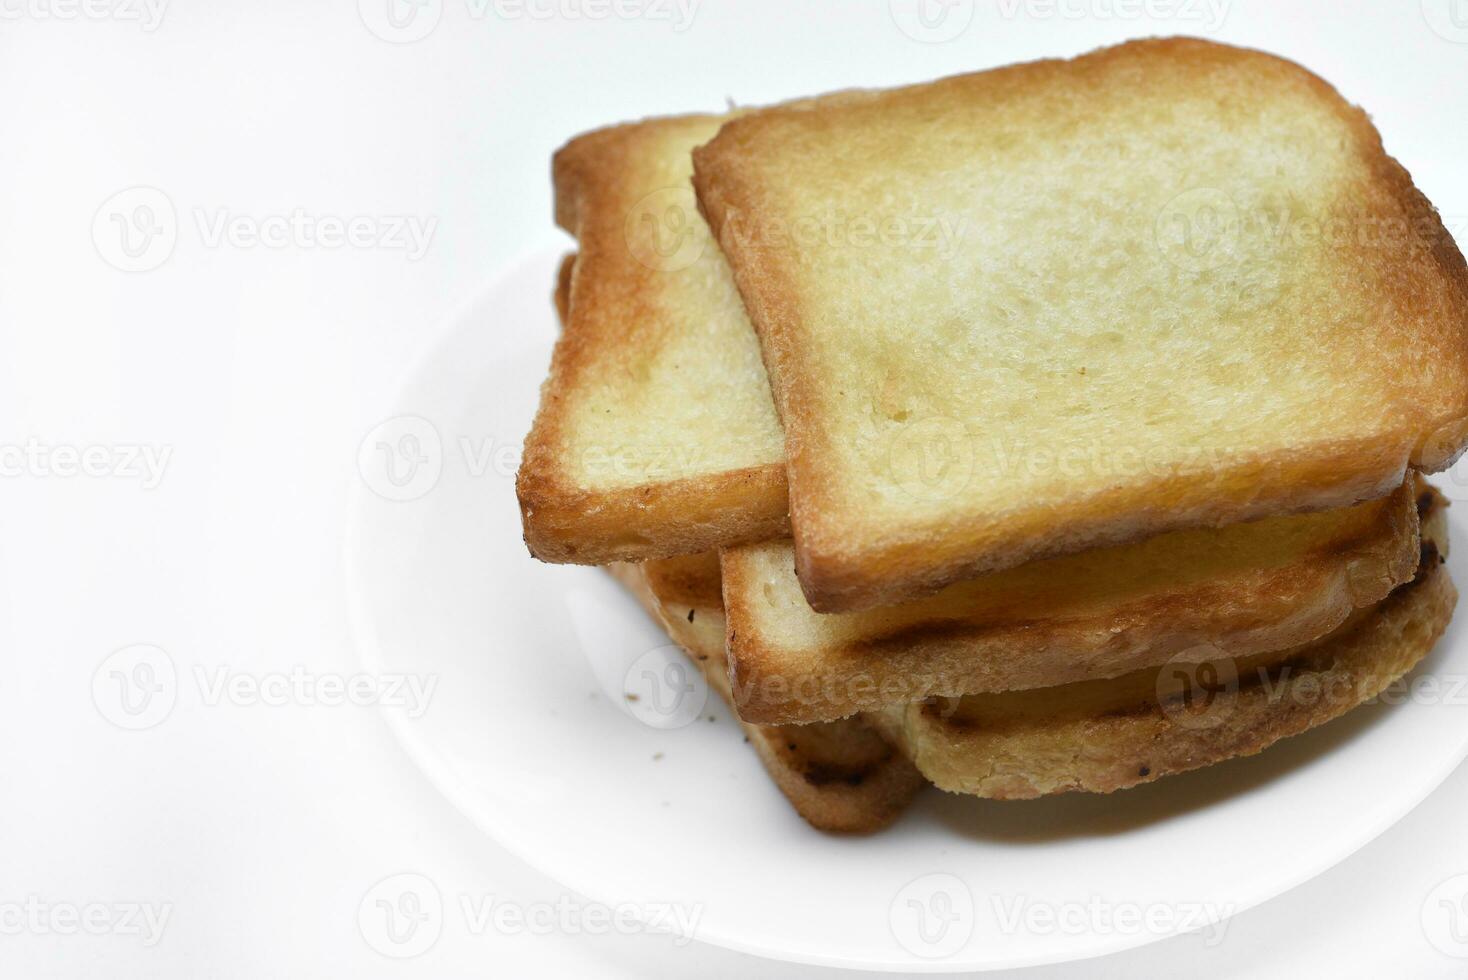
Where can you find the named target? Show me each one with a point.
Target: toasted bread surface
(1068, 304)
(688, 580)
(840, 776)
(1100, 736)
(1200, 593)
(656, 433)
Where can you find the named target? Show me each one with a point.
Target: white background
(261, 369)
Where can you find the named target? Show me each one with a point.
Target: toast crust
(1238, 591)
(562, 295)
(1088, 740)
(841, 777)
(593, 486)
(857, 544)
(688, 580)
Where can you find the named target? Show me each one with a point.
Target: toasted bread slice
(1100, 736)
(1201, 593)
(688, 580)
(841, 776)
(563, 287)
(656, 433)
(1069, 304)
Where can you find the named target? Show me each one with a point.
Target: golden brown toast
(1100, 736)
(563, 287)
(840, 776)
(1070, 304)
(1200, 593)
(656, 434)
(688, 580)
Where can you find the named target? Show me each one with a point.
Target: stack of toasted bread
(1051, 428)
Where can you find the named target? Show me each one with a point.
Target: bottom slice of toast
(841, 776)
(1100, 736)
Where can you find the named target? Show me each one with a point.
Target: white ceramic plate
(530, 734)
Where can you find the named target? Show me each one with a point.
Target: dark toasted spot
(1428, 557)
(1144, 772)
(822, 774)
